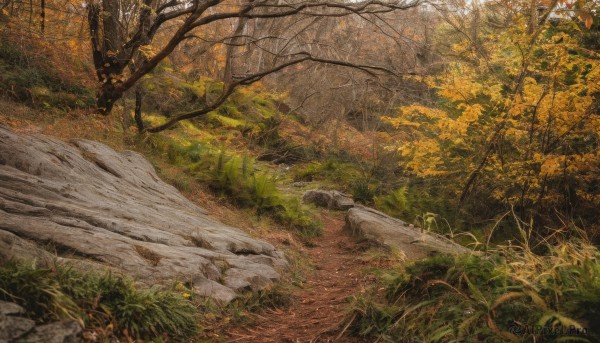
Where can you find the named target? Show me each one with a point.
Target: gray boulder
(329, 199)
(99, 208)
(384, 230)
(8, 308)
(67, 331)
(14, 328)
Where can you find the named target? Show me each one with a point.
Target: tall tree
(123, 36)
(517, 125)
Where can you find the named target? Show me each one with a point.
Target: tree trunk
(234, 42)
(43, 17)
(533, 17)
(139, 97)
(106, 97)
(109, 61)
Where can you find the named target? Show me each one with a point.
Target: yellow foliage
(471, 112)
(534, 133)
(148, 51)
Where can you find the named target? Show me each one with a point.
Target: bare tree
(125, 48)
(397, 41)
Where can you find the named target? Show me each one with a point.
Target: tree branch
(228, 90)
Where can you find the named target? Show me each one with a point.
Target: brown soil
(319, 312)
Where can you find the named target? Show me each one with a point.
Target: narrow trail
(319, 308)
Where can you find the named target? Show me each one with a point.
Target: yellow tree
(519, 125)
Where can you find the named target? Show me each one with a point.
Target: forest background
(477, 120)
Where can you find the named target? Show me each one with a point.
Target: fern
(395, 203)
(485, 297)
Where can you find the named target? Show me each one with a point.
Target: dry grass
(505, 294)
(65, 126)
(148, 255)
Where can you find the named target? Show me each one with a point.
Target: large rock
(384, 230)
(14, 328)
(329, 199)
(11, 325)
(67, 331)
(97, 207)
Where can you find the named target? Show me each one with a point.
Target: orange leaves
(555, 165)
(581, 9)
(587, 18)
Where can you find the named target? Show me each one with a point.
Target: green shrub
(97, 300)
(510, 294)
(238, 179)
(306, 172)
(423, 203)
(215, 317)
(373, 319)
(176, 153)
(293, 214)
(145, 313)
(195, 151)
(35, 289)
(394, 203)
(271, 297)
(363, 191)
(230, 110)
(333, 171)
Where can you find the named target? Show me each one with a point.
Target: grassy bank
(507, 294)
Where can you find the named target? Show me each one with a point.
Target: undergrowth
(330, 171)
(241, 181)
(505, 294)
(416, 201)
(237, 178)
(25, 75)
(112, 307)
(98, 301)
(215, 318)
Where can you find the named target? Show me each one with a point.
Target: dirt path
(318, 311)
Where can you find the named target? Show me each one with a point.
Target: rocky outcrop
(96, 207)
(17, 329)
(384, 230)
(333, 200)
